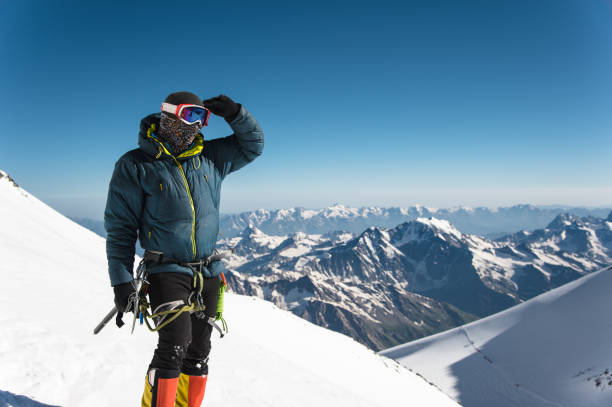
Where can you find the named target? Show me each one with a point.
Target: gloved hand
(122, 296)
(223, 106)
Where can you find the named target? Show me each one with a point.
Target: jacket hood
(149, 143)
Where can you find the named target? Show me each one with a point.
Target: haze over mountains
(490, 223)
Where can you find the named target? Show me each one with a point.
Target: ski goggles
(189, 114)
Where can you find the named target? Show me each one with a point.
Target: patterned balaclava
(178, 134)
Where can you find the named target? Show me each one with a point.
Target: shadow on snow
(8, 399)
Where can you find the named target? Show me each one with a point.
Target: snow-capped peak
(562, 220)
(441, 225)
(372, 236)
(339, 211)
(423, 229)
(251, 231)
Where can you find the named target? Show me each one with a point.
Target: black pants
(184, 344)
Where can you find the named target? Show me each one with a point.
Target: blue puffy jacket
(171, 204)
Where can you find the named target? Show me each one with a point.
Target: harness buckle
(152, 256)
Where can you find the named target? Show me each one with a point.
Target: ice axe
(105, 320)
(132, 303)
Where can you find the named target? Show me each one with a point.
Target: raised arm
(234, 152)
(122, 219)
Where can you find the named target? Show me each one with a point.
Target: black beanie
(179, 98)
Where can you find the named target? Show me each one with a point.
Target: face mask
(176, 133)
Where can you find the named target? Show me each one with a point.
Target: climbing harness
(165, 313)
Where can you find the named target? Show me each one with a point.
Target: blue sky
(442, 103)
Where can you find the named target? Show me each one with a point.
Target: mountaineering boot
(191, 390)
(160, 388)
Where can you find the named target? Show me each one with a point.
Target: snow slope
(54, 289)
(553, 350)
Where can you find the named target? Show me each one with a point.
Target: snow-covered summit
(55, 289)
(424, 229)
(251, 232)
(441, 225)
(562, 220)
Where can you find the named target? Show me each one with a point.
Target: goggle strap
(168, 107)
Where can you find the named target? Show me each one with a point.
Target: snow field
(548, 351)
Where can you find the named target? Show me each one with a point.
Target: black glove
(223, 106)
(122, 296)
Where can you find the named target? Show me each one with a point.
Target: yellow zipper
(193, 242)
(161, 147)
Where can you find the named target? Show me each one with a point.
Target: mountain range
(386, 286)
(491, 223)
